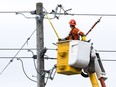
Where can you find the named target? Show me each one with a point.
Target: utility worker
(75, 33)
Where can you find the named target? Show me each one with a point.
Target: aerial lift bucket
(72, 56)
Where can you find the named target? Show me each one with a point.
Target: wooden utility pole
(40, 45)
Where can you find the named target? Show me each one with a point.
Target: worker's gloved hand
(63, 39)
(83, 38)
(59, 39)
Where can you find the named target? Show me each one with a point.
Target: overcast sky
(15, 29)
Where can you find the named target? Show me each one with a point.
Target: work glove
(83, 38)
(59, 39)
(63, 39)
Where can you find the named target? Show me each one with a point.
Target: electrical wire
(50, 58)
(106, 50)
(15, 57)
(18, 49)
(108, 59)
(34, 57)
(114, 60)
(35, 67)
(84, 14)
(19, 12)
(52, 25)
(25, 49)
(26, 16)
(15, 11)
(24, 70)
(5, 67)
(17, 52)
(72, 14)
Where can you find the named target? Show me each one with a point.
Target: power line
(109, 60)
(15, 11)
(72, 14)
(36, 67)
(65, 12)
(19, 12)
(25, 49)
(15, 57)
(18, 49)
(24, 70)
(17, 52)
(50, 58)
(5, 67)
(55, 12)
(106, 50)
